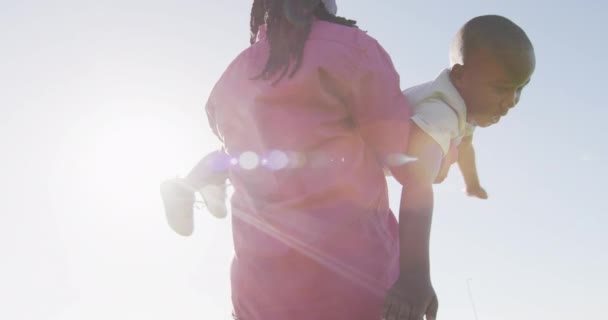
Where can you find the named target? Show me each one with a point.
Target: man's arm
(415, 213)
(468, 168)
(413, 295)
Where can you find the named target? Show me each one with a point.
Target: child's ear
(457, 75)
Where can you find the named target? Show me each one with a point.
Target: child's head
(492, 61)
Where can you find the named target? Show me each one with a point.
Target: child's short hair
(504, 38)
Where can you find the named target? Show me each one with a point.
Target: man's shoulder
(351, 37)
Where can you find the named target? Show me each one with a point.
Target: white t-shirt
(439, 110)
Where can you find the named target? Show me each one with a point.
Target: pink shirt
(336, 119)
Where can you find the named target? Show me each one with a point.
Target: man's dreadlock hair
(288, 24)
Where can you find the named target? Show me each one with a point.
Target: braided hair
(288, 24)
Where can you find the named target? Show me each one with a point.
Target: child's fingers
(482, 194)
(478, 193)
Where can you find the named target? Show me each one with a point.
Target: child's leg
(215, 199)
(211, 170)
(178, 200)
(209, 178)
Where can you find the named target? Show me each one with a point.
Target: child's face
(490, 87)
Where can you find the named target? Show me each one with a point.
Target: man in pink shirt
(309, 115)
(314, 238)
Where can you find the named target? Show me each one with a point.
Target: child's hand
(478, 192)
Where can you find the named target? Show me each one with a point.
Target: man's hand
(411, 298)
(477, 191)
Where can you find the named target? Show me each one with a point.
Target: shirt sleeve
(211, 119)
(469, 129)
(379, 109)
(437, 120)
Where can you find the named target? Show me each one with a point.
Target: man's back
(333, 178)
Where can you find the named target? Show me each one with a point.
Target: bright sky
(100, 100)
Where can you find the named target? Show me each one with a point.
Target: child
(492, 60)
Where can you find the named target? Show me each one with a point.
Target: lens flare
(249, 160)
(276, 160)
(399, 159)
(296, 160)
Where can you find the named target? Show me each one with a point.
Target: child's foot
(178, 200)
(215, 199)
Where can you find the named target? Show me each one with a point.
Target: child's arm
(413, 293)
(468, 168)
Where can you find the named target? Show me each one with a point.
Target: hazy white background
(100, 100)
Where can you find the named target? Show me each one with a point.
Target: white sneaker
(178, 200)
(215, 199)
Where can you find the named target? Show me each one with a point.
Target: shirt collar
(452, 97)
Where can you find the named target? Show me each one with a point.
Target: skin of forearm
(415, 218)
(416, 209)
(467, 164)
